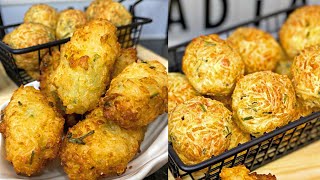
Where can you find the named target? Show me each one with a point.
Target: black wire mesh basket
(258, 151)
(128, 36)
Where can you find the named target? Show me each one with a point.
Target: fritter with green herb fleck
(32, 131)
(43, 14)
(97, 147)
(85, 66)
(199, 129)
(138, 95)
(27, 35)
(305, 72)
(263, 101)
(69, 20)
(212, 66)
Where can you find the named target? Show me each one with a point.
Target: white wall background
(12, 11)
(239, 11)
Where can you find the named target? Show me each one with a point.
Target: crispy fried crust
(106, 150)
(127, 57)
(212, 66)
(300, 30)
(85, 66)
(69, 20)
(180, 90)
(27, 35)
(306, 76)
(199, 129)
(258, 49)
(43, 14)
(49, 64)
(137, 95)
(263, 101)
(114, 12)
(32, 131)
(240, 172)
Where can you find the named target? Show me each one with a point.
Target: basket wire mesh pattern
(258, 151)
(128, 36)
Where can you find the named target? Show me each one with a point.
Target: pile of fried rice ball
(43, 24)
(244, 86)
(95, 99)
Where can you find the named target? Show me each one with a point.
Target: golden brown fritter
(97, 147)
(258, 49)
(69, 20)
(263, 101)
(43, 14)
(114, 12)
(49, 63)
(127, 57)
(240, 172)
(212, 66)
(180, 90)
(300, 30)
(137, 95)
(199, 129)
(96, 7)
(32, 131)
(27, 35)
(85, 66)
(305, 72)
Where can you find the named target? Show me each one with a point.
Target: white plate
(154, 154)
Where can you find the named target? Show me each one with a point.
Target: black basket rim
(140, 21)
(242, 147)
(258, 19)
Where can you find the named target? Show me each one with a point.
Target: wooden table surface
(303, 164)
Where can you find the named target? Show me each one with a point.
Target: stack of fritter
(73, 82)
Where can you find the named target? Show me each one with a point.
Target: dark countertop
(160, 47)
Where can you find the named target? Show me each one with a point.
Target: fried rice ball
(300, 30)
(180, 90)
(258, 49)
(32, 131)
(85, 66)
(240, 172)
(237, 136)
(199, 129)
(27, 35)
(212, 66)
(139, 88)
(114, 12)
(96, 147)
(42, 14)
(69, 20)
(127, 57)
(305, 72)
(263, 101)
